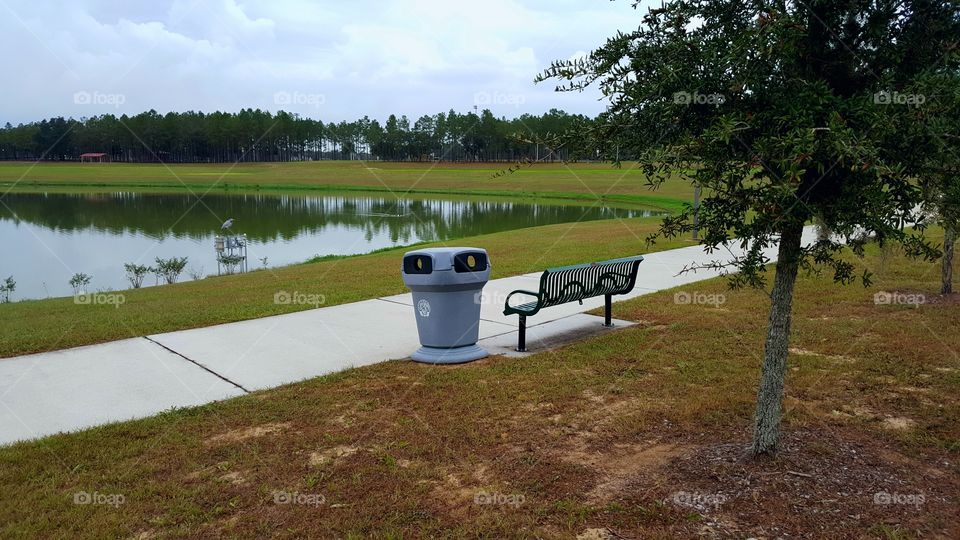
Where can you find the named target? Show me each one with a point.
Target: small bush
(170, 269)
(79, 282)
(6, 289)
(136, 273)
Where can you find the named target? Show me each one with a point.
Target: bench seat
(575, 284)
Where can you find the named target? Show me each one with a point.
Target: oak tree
(784, 113)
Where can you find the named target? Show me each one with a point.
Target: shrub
(6, 288)
(79, 282)
(136, 273)
(170, 269)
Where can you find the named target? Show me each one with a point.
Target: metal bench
(575, 283)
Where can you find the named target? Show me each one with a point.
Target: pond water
(48, 237)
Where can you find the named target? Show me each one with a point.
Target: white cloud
(366, 57)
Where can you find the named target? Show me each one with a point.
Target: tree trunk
(949, 237)
(766, 431)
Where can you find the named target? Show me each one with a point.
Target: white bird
(227, 224)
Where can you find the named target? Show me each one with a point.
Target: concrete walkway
(68, 390)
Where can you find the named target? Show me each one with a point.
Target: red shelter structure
(99, 157)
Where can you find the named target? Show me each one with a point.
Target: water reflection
(47, 237)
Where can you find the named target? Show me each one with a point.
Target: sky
(332, 60)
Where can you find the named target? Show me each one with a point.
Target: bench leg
(522, 338)
(608, 308)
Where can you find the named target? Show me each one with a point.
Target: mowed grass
(585, 181)
(596, 437)
(58, 323)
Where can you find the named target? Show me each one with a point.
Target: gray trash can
(446, 285)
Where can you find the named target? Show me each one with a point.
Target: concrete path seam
(198, 364)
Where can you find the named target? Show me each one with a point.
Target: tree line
(257, 135)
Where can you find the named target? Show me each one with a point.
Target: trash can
(446, 285)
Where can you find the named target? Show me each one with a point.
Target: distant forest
(255, 135)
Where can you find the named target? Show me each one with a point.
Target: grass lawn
(638, 433)
(59, 323)
(586, 181)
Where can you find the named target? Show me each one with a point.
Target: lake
(48, 237)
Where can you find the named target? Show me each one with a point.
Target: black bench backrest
(572, 283)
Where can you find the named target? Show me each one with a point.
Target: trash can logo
(423, 308)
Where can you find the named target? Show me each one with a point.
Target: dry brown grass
(638, 433)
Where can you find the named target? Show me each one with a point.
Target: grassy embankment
(638, 433)
(43, 325)
(590, 182)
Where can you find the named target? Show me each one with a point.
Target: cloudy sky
(332, 60)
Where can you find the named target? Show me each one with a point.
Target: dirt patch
(855, 412)
(236, 478)
(627, 463)
(452, 484)
(615, 467)
(619, 466)
(593, 396)
(453, 494)
(898, 423)
(243, 434)
(330, 455)
(481, 474)
(597, 534)
(343, 420)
